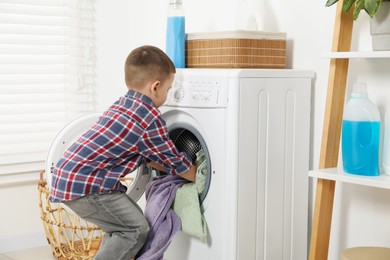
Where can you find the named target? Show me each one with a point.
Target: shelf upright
(338, 73)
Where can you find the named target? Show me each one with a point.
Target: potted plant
(379, 11)
(370, 6)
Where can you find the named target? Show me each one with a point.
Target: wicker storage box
(69, 236)
(236, 49)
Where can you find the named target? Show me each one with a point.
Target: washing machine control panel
(198, 92)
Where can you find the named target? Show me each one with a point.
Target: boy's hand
(190, 174)
(157, 166)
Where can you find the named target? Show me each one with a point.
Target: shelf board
(336, 174)
(357, 55)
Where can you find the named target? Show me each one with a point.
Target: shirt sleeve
(156, 146)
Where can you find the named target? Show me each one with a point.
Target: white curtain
(46, 78)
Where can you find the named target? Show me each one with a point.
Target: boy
(130, 132)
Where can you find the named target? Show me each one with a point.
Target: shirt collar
(140, 96)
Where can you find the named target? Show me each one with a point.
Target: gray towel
(163, 221)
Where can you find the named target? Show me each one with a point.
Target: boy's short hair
(147, 63)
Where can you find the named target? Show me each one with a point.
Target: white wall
(112, 29)
(123, 25)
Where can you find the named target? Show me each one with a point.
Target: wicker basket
(69, 236)
(236, 49)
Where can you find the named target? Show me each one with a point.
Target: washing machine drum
(187, 139)
(184, 140)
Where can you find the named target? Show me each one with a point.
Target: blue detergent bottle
(361, 134)
(176, 37)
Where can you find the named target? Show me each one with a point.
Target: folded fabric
(163, 222)
(187, 205)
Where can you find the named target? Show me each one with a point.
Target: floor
(39, 253)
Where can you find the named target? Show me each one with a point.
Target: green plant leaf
(358, 7)
(331, 2)
(372, 6)
(347, 4)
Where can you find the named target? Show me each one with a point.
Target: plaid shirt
(127, 133)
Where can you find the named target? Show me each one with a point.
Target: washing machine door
(135, 181)
(179, 121)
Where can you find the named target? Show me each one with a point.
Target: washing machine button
(179, 94)
(206, 96)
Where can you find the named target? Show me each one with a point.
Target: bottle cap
(359, 90)
(360, 87)
(175, 2)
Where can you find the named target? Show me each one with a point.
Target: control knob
(178, 94)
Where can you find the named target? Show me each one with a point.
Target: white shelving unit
(357, 55)
(329, 172)
(337, 174)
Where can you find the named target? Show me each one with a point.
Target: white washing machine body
(255, 124)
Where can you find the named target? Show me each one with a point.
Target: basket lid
(238, 34)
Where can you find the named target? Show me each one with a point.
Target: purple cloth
(163, 221)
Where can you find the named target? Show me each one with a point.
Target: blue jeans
(119, 217)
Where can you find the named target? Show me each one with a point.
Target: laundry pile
(172, 203)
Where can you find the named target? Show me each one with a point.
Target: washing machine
(254, 127)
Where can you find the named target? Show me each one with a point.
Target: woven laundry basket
(236, 49)
(69, 236)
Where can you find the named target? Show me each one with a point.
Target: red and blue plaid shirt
(127, 133)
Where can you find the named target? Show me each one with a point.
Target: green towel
(187, 205)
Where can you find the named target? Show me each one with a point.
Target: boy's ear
(154, 86)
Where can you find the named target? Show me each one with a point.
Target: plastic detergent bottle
(360, 134)
(175, 45)
(386, 144)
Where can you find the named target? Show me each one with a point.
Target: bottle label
(175, 48)
(360, 147)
